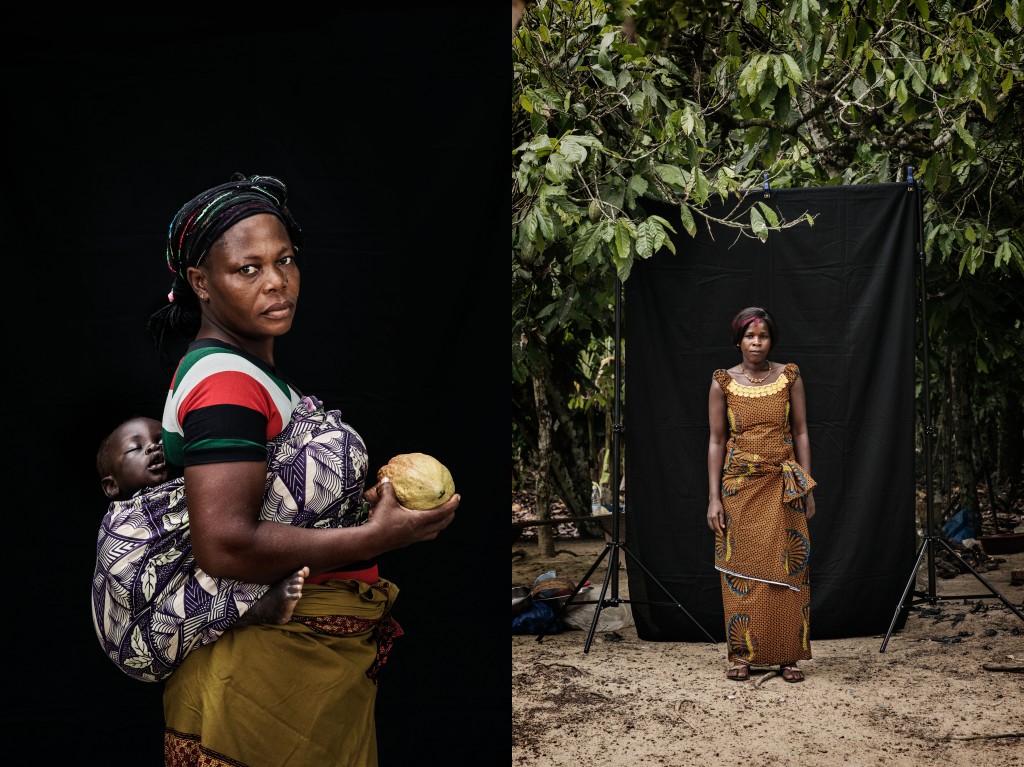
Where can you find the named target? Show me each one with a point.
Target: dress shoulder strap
(722, 376)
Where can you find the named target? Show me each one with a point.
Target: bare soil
(947, 691)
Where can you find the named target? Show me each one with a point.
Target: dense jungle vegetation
(615, 103)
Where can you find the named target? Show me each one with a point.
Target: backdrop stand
(615, 545)
(931, 540)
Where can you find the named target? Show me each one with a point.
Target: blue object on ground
(966, 523)
(536, 620)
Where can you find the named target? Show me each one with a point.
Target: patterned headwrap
(209, 214)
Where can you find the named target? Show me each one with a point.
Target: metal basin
(520, 599)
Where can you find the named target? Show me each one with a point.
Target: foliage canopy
(615, 104)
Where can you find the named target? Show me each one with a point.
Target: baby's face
(138, 456)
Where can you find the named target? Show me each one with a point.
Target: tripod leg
(669, 594)
(613, 563)
(562, 608)
(977, 575)
(903, 599)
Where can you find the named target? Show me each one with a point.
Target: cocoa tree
(617, 104)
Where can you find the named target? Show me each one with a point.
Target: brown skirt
(766, 623)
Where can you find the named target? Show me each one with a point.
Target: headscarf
(209, 214)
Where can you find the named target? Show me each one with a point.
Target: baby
(130, 460)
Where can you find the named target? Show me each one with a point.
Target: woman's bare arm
(716, 456)
(229, 541)
(801, 438)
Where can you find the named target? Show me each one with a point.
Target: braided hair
(193, 231)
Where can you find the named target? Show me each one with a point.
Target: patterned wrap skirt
(763, 558)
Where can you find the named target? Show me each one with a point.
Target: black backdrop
(385, 125)
(842, 292)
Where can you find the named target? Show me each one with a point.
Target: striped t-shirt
(223, 405)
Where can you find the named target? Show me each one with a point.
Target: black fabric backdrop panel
(114, 121)
(843, 294)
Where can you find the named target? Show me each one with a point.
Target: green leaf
(766, 94)
(918, 75)
(761, 69)
(901, 91)
(972, 259)
(1002, 254)
(770, 215)
(623, 240)
(700, 190)
(573, 152)
(651, 235)
(1015, 13)
(989, 105)
(964, 135)
(589, 240)
(544, 223)
(528, 230)
(583, 138)
(758, 225)
(749, 9)
(687, 121)
(542, 145)
(557, 169)
(662, 222)
(647, 239)
(672, 175)
(792, 68)
(687, 217)
(602, 74)
(923, 9)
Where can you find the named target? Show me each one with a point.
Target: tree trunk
(571, 475)
(542, 472)
(947, 453)
(606, 463)
(1010, 455)
(963, 426)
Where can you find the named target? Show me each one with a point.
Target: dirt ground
(666, 704)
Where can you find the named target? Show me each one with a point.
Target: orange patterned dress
(764, 552)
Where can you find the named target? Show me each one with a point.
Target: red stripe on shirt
(232, 387)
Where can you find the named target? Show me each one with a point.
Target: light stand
(615, 545)
(930, 539)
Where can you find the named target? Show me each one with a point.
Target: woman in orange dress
(759, 502)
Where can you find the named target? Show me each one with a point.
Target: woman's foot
(791, 672)
(739, 672)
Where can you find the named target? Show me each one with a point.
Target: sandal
(791, 673)
(739, 672)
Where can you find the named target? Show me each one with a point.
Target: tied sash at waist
(741, 467)
(350, 608)
(796, 484)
